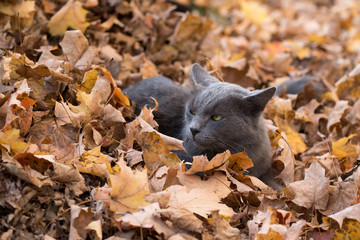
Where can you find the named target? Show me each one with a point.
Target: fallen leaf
(82, 222)
(128, 190)
(70, 15)
(295, 140)
(352, 212)
(202, 164)
(197, 200)
(74, 44)
(344, 149)
(314, 190)
(142, 218)
(223, 230)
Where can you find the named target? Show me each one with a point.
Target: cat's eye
(192, 112)
(216, 117)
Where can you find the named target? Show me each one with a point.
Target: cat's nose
(194, 131)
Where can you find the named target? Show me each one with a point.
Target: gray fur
(240, 129)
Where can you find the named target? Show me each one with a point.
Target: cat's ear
(200, 76)
(259, 98)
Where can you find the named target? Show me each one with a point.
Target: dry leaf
(314, 190)
(70, 15)
(197, 200)
(128, 190)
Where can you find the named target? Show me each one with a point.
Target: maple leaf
(128, 190)
(337, 113)
(283, 154)
(343, 194)
(90, 107)
(197, 200)
(314, 190)
(218, 183)
(70, 15)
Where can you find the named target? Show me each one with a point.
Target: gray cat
(210, 118)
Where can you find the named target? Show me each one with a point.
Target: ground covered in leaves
(76, 163)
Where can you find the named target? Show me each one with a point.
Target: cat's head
(221, 115)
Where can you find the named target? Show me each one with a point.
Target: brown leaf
(128, 190)
(83, 222)
(342, 195)
(202, 164)
(183, 219)
(314, 190)
(144, 218)
(197, 200)
(344, 149)
(223, 230)
(297, 143)
(352, 212)
(74, 45)
(337, 114)
(70, 15)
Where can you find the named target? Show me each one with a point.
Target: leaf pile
(77, 163)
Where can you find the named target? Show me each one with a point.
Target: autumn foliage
(77, 163)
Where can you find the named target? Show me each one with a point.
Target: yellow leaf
(271, 235)
(294, 138)
(239, 162)
(89, 81)
(353, 43)
(343, 149)
(350, 230)
(23, 9)
(348, 87)
(70, 15)
(155, 151)
(316, 38)
(93, 162)
(250, 8)
(10, 140)
(128, 190)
